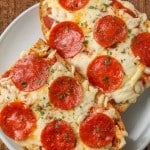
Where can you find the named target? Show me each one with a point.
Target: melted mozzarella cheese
(86, 18)
(45, 112)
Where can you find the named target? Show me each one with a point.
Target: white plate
(23, 32)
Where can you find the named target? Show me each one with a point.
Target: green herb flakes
(106, 79)
(106, 5)
(38, 81)
(97, 130)
(107, 61)
(52, 70)
(57, 126)
(85, 42)
(123, 52)
(62, 96)
(109, 53)
(39, 72)
(42, 112)
(92, 7)
(24, 84)
(66, 135)
(129, 30)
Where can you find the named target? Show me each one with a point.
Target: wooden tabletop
(10, 9)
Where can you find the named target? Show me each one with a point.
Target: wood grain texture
(10, 9)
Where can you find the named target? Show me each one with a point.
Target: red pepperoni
(118, 5)
(110, 30)
(6, 74)
(73, 5)
(65, 93)
(30, 73)
(17, 121)
(48, 21)
(97, 130)
(106, 73)
(141, 47)
(67, 38)
(58, 135)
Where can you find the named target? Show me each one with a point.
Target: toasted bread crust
(42, 49)
(119, 127)
(121, 107)
(41, 45)
(45, 30)
(118, 122)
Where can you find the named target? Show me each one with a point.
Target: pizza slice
(46, 105)
(106, 40)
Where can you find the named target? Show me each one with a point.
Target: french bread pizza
(46, 105)
(108, 42)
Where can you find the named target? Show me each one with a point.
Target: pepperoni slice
(97, 130)
(58, 135)
(118, 5)
(17, 121)
(73, 5)
(6, 74)
(141, 47)
(30, 73)
(48, 21)
(65, 93)
(110, 30)
(67, 38)
(106, 73)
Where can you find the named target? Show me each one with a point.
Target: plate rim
(8, 28)
(2, 37)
